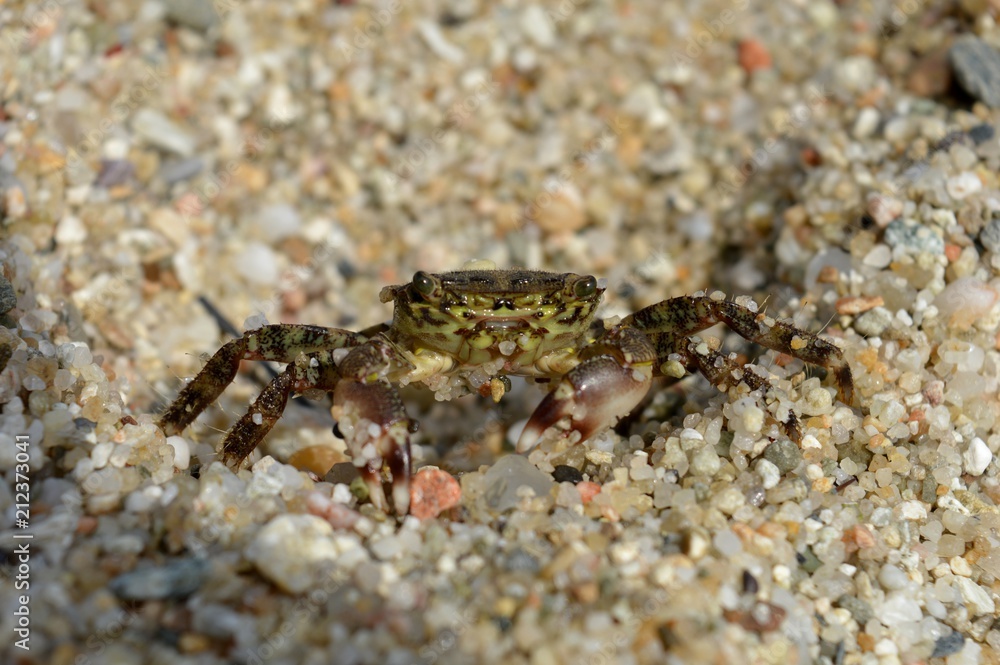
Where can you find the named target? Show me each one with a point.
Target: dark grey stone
(977, 69)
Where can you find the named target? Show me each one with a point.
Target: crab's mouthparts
(514, 323)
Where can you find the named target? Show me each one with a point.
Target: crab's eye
(585, 287)
(423, 283)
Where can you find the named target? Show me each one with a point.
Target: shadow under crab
(466, 331)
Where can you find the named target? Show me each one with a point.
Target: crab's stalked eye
(424, 283)
(586, 287)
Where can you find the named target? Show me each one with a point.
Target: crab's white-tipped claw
(401, 495)
(588, 400)
(376, 430)
(376, 494)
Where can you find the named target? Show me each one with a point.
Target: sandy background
(284, 161)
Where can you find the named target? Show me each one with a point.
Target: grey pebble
(195, 14)
(860, 610)
(176, 579)
(981, 133)
(8, 299)
(948, 645)
(114, 172)
(914, 237)
(977, 69)
(508, 475)
(873, 322)
(990, 236)
(177, 170)
(783, 454)
(521, 561)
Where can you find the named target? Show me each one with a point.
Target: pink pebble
(338, 515)
(588, 490)
(433, 491)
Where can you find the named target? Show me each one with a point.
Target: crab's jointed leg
(614, 376)
(373, 421)
(667, 324)
(310, 371)
(279, 342)
(720, 369)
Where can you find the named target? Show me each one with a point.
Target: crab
(466, 331)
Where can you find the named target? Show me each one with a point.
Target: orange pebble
(588, 490)
(753, 55)
(433, 491)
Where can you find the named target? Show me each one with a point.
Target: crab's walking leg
(373, 421)
(667, 323)
(719, 369)
(608, 384)
(279, 342)
(309, 371)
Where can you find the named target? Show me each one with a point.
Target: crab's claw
(373, 422)
(595, 394)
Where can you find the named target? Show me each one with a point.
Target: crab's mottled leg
(373, 421)
(309, 371)
(719, 369)
(612, 379)
(279, 342)
(668, 323)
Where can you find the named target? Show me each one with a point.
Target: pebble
(278, 221)
(784, 455)
(177, 170)
(879, 257)
(963, 185)
(317, 459)
(965, 301)
(948, 644)
(977, 600)
(433, 491)
(884, 209)
(705, 462)
(193, 13)
(898, 607)
(162, 132)
(982, 133)
(892, 578)
(860, 610)
(563, 473)
(175, 580)
(866, 123)
(931, 75)
(588, 490)
(753, 56)
(538, 27)
(769, 473)
(853, 305)
(8, 298)
(431, 33)
(560, 212)
(290, 549)
(258, 264)
(873, 322)
(977, 457)
(990, 236)
(182, 452)
(913, 237)
(977, 68)
(70, 231)
(508, 475)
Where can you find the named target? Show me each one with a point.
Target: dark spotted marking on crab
(473, 328)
